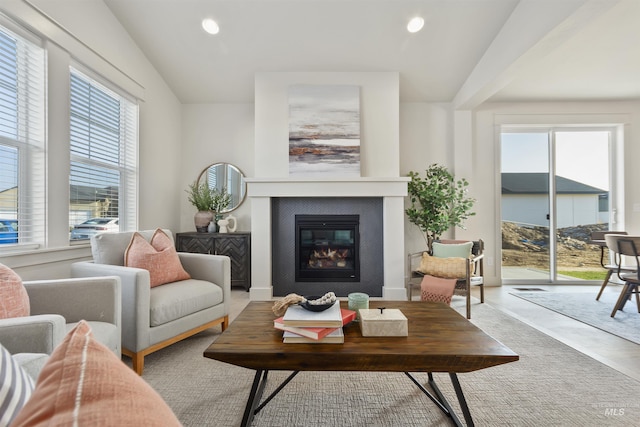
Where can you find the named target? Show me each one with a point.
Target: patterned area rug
(551, 385)
(584, 308)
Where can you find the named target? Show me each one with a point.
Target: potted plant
(220, 200)
(438, 202)
(201, 197)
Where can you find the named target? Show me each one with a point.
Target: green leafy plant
(220, 199)
(438, 202)
(208, 199)
(200, 196)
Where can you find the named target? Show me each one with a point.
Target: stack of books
(304, 326)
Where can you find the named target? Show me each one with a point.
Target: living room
(443, 132)
(502, 62)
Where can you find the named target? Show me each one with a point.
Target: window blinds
(22, 137)
(103, 177)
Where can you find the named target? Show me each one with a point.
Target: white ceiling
(598, 58)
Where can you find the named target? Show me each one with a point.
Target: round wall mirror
(225, 176)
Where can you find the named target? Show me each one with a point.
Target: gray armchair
(154, 318)
(56, 307)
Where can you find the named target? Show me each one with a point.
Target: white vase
(228, 224)
(223, 223)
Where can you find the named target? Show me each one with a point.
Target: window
(103, 174)
(22, 139)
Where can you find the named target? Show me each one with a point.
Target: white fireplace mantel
(392, 190)
(339, 187)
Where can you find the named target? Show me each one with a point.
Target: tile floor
(611, 350)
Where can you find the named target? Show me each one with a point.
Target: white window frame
(127, 167)
(30, 140)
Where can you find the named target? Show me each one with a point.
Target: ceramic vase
(202, 220)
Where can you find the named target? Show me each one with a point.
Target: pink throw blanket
(436, 289)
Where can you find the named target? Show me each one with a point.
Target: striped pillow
(16, 387)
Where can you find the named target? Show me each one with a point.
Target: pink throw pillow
(14, 300)
(159, 257)
(83, 383)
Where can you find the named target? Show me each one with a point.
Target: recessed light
(415, 24)
(210, 26)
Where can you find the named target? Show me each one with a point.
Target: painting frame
(324, 130)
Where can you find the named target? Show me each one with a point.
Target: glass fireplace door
(327, 248)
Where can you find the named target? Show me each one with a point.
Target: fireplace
(379, 204)
(327, 248)
(335, 221)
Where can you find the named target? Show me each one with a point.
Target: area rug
(584, 308)
(551, 385)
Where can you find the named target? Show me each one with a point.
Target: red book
(315, 333)
(347, 316)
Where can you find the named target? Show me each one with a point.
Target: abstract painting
(324, 130)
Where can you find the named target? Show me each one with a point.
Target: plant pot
(202, 220)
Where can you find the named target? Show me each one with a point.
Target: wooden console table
(236, 246)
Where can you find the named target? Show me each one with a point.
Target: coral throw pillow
(84, 384)
(159, 257)
(14, 300)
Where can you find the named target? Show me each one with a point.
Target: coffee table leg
(442, 402)
(461, 399)
(259, 381)
(437, 400)
(445, 402)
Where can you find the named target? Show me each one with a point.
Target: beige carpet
(551, 385)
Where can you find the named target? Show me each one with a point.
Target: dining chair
(627, 246)
(598, 238)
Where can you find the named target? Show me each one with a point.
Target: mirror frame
(242, 185)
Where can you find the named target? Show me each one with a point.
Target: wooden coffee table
(440, 340)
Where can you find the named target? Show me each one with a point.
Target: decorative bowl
(314, 307)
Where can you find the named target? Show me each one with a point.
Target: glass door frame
(616, 188)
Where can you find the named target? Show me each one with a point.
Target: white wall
(379, 100)
(87, 32)
(214, 133)
(426, 137)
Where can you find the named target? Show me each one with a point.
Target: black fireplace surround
(369, 278)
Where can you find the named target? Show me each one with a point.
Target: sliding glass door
(556, 190)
